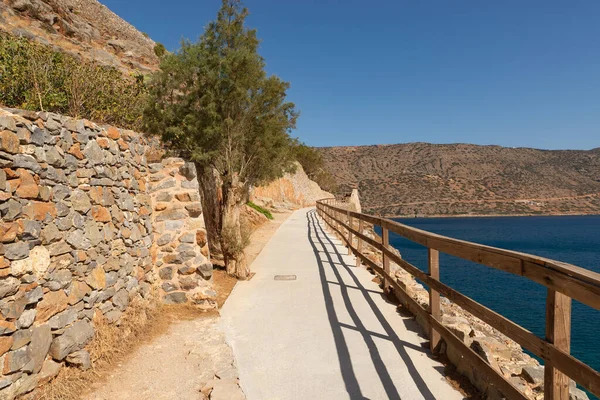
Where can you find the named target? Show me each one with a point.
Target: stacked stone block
(77, 239)
(181, 251)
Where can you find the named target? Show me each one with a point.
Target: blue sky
(513, 73)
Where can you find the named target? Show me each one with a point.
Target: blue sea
(572, 239)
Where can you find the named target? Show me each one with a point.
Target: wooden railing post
(349, 234)
(336, 217)
(558, 332)
(359, 244)
(385, 237)
(434, 297)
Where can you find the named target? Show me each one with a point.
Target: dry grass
(223, 285)
(144, 320)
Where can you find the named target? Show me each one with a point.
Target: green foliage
(214, 103)
(260, 209)
(35, 77)
(314, 166)
(159, 50)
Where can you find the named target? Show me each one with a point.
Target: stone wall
(180, 250)
(86, 225)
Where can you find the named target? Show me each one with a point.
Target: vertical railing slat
(349, 233)
(434, 297)
(558, 332)
(359, 244)
(385, 238)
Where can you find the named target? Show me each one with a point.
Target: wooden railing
(563, 282)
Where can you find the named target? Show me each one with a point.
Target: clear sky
(514, 73)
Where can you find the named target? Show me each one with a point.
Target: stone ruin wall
(86, 225)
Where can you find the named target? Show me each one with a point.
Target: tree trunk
(212, 198)
(232, 240)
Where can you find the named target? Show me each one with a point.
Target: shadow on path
(322, 245)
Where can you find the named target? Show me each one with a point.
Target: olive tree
(213, 102)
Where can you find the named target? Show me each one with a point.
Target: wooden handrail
(564, 282)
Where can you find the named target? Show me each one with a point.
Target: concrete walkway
(329, 334)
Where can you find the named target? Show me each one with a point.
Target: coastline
(490, 215)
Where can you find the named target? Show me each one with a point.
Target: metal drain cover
(285, 277)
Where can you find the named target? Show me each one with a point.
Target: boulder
(113, 316)
(16, 251)
(80, 358)
(9, 142)
(533, 374)
(97, 278)
(577, 394)
(49, 370)
(63, 319)
(16, 360)
(73, 339)
(20, 338)
(28, 188)
(483, 349)
(37, 262)
(175, 298)
(51, 232)
(80, 201)
(6, 343)
(41, 338)
(51, 304)
(77, 291)
(9, 286)
(26, 319)
(121, 299)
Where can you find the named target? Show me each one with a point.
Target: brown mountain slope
(82, 27)
(430, 179)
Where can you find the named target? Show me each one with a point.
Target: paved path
(329, 334)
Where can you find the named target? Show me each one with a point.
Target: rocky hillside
(82, 27)
(428, 179)
(289, 192)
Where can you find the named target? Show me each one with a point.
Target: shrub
(36, 77)
(159, 50)
(260, 209)
(313, 164)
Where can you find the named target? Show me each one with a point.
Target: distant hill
(82, 27)
(430, 179)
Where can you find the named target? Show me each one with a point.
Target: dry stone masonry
(86, 225)
(181, 251)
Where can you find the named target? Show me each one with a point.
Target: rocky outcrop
(80, 27)
(293, 190)
(87, 225)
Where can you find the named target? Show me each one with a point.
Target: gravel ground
(191, 361)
